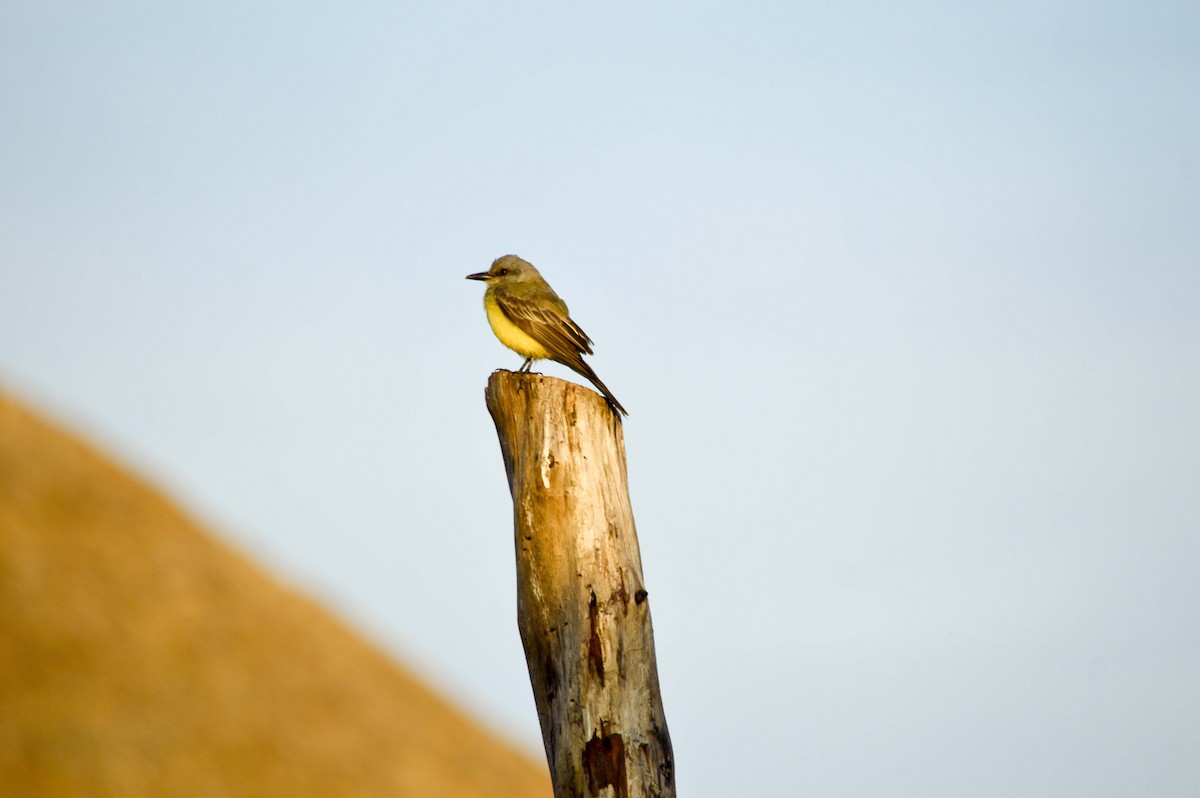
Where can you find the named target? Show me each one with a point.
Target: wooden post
(581, 602)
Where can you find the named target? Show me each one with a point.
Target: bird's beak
(480, 276)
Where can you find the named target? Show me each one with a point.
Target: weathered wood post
(581, 602)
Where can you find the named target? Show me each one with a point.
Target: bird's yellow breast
(510, 334)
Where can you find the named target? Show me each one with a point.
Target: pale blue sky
(902, 300)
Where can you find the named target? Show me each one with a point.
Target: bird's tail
(580, 366)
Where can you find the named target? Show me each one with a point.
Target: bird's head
(508, 269)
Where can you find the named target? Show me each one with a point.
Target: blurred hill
(140, 657)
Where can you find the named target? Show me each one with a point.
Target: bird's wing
(547, 323)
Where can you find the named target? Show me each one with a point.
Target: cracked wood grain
(582, 604)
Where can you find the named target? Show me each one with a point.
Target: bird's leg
(526, 365)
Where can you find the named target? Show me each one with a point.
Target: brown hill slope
(139, 657)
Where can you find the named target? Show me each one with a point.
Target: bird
(530, 319)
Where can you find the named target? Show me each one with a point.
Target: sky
(902, 300)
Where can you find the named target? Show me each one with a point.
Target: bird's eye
(503, 272)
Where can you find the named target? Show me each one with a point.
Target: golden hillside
(140, 657)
